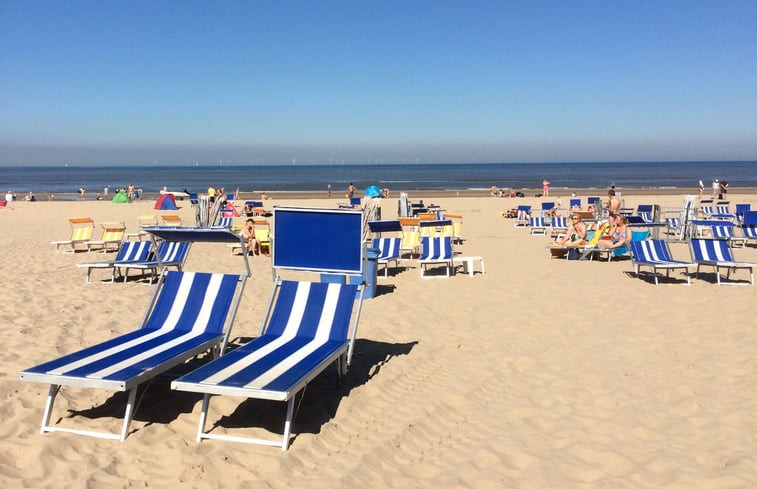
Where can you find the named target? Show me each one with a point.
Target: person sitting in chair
(248, 232)
(620, 234)
(576, 231)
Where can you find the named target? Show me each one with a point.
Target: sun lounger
(435, 251)
(186, 315)
(170, 254)
(113, 235)
(389, 251)
(306, 325)
(81, 232)
(717, 254)
(654, 253)
(130, 252)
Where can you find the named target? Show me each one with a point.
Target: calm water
(684, 175)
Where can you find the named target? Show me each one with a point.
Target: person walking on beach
(328, 188)
(351, 190)
(715, 188)
(211, 193)
(701, 188)
(723, 190)
(545, 187)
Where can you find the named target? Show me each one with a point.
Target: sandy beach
(538, 374)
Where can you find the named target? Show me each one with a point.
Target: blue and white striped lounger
(186, 316)
(130, 252)
(436, 251)
(654, 253)
(389, 251)
(170, 254)
(307, 331)
(717, 254)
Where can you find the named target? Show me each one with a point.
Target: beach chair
(559, 227)
(547, 208)
(523, 215)
(717, 254)
(740, 210)
(389, 251)
(306, 326)
(537, 226)
(225, 222)
(188, 313)
(193, 199)
(81, 232)
(112, 235)
(672, 225)
(435, 251)
(171, 220)
(725, 232)
(411, 239)
(654, 253)
(169, 254)
(575, 204)
(645, 212)
(143, 220)
(130, 252)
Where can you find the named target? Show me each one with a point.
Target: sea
(685, 175)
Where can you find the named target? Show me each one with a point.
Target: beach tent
(230, 210)
(120, 198)
(166, 202)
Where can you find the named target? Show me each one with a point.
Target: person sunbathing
(620, 234)
(576, 233)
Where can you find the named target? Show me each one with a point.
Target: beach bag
(574, 254)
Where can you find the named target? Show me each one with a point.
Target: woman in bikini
(619, 233)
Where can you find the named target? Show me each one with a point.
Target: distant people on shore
(351, 190)
(715, 188)
(9, 197)
(30, 197)
(130, 192)
(701, 188)
(723, 190)
(545, 187)
(328, 189)
(211, 193)
(82, 193)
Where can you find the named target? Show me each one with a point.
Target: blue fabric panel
(328, 240)
(384, 226)
(299, 370)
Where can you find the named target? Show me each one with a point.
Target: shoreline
(416, 194)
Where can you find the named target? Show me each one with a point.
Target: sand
(539, 374)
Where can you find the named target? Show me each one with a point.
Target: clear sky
(138, 82)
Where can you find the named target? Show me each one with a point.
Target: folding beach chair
(169, 254)
(81, 232)
(306, 325)
(113, 235)
(725, 232)
(559, 227)
(186, 315)
(575, 204)
(740, 210)
(435, 251)
(389, 251)
(143, 220)
(171, 220)
(130, 252)
(654, 253)
(717, 254)
(538, 226)
(523, 215)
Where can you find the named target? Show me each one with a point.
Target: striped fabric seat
(171, 253)
(537, 226)
(717, 254)
(307, 331)
(654, 253)
(725, 232)
(186, 318)
(411, 238)
(523, 215)
(81, 232)
(436, 251)
(225, 222)
(389, 251)
(749, 230)
(130, 252)
(113, 235)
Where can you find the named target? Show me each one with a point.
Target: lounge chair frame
(716, 253)
(654, 253)
(157, 363)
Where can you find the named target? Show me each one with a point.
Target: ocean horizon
(396, 177)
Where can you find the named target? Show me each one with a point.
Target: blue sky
(176, 81)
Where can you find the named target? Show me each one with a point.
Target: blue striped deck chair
(389, 251)
(722, 211)
(547, 208)
(654, 253)
(435, 251)
(645, 212)
(306, 326)
(130, 252)
(559, 227)
(225, 222)
(673, 225)
(725, 232)
(749, 225)
(538, 226)
(170, 254)
(717, 254)
(188, 313)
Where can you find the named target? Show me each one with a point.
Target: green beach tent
(120, 198)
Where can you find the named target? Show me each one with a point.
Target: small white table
(467, 263)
